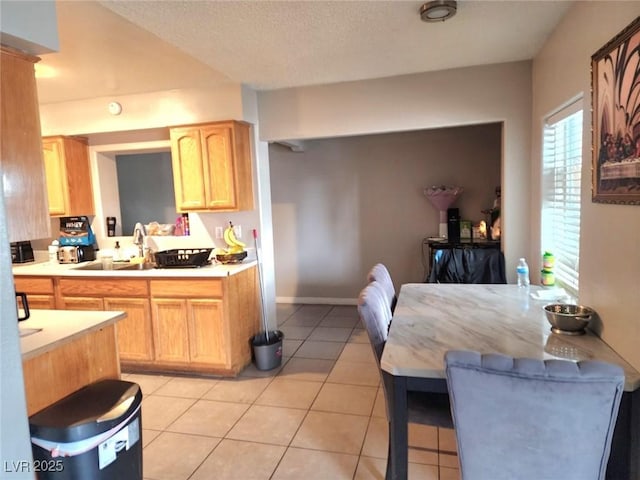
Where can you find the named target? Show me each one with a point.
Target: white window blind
(561, 173)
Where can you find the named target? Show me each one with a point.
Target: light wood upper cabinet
(21, 162)
(212, 167)
(66, 162)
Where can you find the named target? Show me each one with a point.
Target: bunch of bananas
(235, 245)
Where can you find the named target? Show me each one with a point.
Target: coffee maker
(77, 241)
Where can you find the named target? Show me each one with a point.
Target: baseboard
(317, 300)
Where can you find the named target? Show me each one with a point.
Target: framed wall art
(615, 96)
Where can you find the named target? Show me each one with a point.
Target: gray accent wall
(346, 203)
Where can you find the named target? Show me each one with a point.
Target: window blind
(561, 174)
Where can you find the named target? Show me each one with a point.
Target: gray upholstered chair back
(379, 273)
(375, 314)
(530, 419)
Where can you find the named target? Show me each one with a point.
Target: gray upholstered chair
(530, 419)
(379, 273)
(423, 407)
(375, 314)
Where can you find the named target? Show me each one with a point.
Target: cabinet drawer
(42, 301)
(104, 288)
(82, 303)
(34, 285)
(186, 288)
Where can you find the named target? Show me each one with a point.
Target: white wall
(466, 96)
(347, 203)
(262, 192)
(142, 111)
(609, 234)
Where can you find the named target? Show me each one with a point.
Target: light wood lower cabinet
(201, 325)
(82, 303)
(206, 332)
(135, 338)
(189, 331)
(47, 302)
(170, 330)
(40, 291)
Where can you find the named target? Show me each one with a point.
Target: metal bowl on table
(568, 319)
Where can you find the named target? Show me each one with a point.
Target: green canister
(546, 275)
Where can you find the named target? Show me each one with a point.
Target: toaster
(76, 253)
(21, 252)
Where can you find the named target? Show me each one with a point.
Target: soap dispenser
(116, 252)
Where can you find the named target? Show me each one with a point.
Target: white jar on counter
(53, 252)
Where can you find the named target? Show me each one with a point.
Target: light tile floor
(320, 415)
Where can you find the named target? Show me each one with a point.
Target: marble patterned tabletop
(430, 319)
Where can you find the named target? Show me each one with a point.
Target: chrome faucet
(138, 238)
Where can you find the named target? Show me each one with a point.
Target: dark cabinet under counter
(463, 261)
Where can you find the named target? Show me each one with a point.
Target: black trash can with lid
(94, 433)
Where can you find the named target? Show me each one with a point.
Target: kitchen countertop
(215, 270)
(60, 327)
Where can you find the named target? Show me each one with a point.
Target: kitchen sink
(137, 266)
(115, 266)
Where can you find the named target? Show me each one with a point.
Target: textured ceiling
(267, 45)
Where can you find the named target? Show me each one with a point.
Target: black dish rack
(183, 258)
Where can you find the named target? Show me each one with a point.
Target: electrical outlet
(218, 232)
(238, 230)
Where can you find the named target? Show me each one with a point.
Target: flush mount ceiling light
(438, 10)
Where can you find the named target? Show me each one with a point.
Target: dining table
(433, 318)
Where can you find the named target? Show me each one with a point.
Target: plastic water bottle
(523, 273)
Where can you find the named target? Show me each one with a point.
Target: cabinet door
(219, 167)
(135, 338)
(47, 302)
(82, 303)
(206, 332)
(56, 174)
(188, 169)
(170, 330)
(21, 161)
(68, 175)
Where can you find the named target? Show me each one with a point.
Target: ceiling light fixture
(114, 108)
(438, 10)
